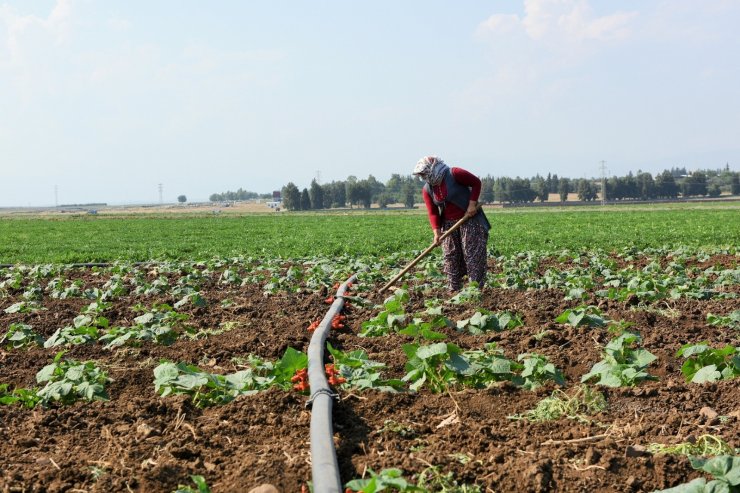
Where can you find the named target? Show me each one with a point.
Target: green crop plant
(70, 380)
(725, 472)
(436, 365)
(201, 486)
(360, 372)
(484, 321)
(468, 294)
(583, 401)
(537, 370)
(442, 365)
(704, 364)
(84, 329)
(391, 318)
(420, 330)
(209, 389)
(589, 316)
(622, 365)
(26, 397)
(24, 307)
(731, 320)
(386, 480)
(21, 335)
(58, 288)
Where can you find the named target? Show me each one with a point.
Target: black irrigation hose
(324, 467)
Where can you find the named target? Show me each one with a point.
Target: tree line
(406, 190)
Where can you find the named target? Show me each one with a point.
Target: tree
(586, 190)
(541, 188)
(328, 193)
(339, 194)
(563, 189)
(385, 199)
(316, 195)
(694, 184)
(409, 195)
(305, 200)
(646, 186)
(487, 194)
(735, 184)
(291, 197)
(713, 190)
(182, 199)
(665, 185)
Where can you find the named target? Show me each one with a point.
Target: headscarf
(431, 168)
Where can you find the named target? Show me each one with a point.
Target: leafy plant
(69, 380)
(731, 320)
(387, 480)
(724, 469)
(622, 365)
(484, 321)
(589, 316)
(469, 294)
(21, 335)
(421, 330)
(443, 365)
(24, 307)
(392, 317)
(436, 365)
(208, 389)
(486, 366)
(200, 486)
(360, 372)
(84, 329)
(537, 370)
(26, 397)
(704, 364)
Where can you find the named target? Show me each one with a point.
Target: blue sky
(105, 100)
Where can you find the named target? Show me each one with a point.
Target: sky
(103, 101)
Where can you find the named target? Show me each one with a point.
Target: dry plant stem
(576, 440)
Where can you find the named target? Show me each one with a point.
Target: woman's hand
(472, 209)
(437, 234)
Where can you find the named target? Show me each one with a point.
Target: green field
(144, 237)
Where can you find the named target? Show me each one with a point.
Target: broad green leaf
(707, 374)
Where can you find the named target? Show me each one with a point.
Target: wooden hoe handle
(426, 252)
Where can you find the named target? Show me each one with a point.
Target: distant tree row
(406, 190)
(352, 192)
(238, 195)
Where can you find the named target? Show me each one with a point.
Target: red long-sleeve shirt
(451, 211)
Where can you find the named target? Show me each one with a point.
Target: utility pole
(318, 176)
(160, 193)
(56, 196)
(603, 182)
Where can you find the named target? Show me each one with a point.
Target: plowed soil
(138, 441)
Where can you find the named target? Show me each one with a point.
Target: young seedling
(622, 365)
(705, 364)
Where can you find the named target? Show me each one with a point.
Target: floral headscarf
(431, 168)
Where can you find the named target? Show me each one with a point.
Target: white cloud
(534, 58)
(564, 21)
